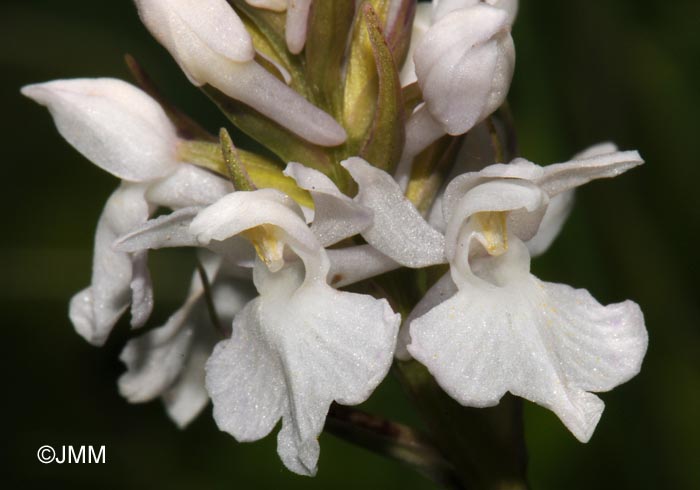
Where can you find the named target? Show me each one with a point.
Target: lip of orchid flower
(301, 344)
(496, 328)
(210, 43)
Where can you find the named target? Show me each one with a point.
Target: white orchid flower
(300, 345)
(210, 43)
(490, 326)
(168, 361)
(124, 131)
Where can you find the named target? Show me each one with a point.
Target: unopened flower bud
(464, 66)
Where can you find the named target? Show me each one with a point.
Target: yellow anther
(494, 229)
(268, 246)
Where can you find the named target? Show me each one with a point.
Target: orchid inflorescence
(381, 129)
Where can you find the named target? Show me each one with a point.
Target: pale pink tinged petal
(398, 230)
(167, 231)
(441, 291)
(464, 66)
(255, 86)
(188, 186)
(297, 20)
(564, 176)
(553, 220)
(336, 216)
(113, 124)
(212, 47)
(141, 290)
(187, 28)
(353, 264)
(95, 310)
(245, 380)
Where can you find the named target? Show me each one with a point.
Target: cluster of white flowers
(276, 265)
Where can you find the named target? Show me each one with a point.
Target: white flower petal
(155, 360)
(294, 350)
(188, 28)
(255, 86)
(298, 455)
(564, 176)
(398, 230)
(245, 381)
(95, 310)
(188, 186)
(497, 195)
(113, 124)
(240, 211)
(544, 342)
(336, 216)
(212, 47)
(337, 353)
(464, 66)
(442, 290)
(169, 360)
(141, 290)
(167, 231)
(185, 399)
(460, 185)
(353, 264)
(558, 210)
(187, 396)
(297, 20)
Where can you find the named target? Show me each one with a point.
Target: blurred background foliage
(587, 71)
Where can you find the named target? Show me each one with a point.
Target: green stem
(393, 440)
(484, 445)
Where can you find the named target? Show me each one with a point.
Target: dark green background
(587, 71)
